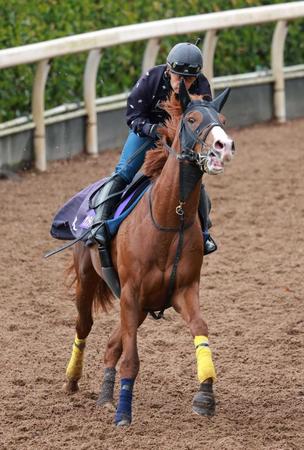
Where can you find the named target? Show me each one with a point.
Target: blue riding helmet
(185, 59)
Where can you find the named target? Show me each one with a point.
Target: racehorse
(157, 253)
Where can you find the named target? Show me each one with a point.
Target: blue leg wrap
(124, 408)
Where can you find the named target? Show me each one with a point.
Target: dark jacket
(151, 89)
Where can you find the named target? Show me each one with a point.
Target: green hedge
(239, 50)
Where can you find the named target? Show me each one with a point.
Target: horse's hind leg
(87, 280)
(111, 358)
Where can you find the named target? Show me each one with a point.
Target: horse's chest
(157, 283)
(156, 266)
(154, 289)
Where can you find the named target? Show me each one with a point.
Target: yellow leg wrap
(74, 369)
(205, 367)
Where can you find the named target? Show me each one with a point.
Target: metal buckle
(179, 209)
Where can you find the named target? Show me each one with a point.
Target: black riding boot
(104, 205)
(203, 210)
(105, 202)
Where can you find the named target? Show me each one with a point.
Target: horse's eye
(191, 120)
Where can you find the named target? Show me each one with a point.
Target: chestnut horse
(157, 253)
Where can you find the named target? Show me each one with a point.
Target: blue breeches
(133, 155)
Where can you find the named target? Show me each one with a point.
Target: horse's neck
(166, 196)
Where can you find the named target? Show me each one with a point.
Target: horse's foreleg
(187, 304)
(131, 318)
(112, 355)
(87, 280)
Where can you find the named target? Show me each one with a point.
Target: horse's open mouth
(214, 164)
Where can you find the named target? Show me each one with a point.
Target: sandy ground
(251, 297)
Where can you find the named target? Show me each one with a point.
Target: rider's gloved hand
(151, 130)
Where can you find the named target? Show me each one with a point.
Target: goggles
(185, 69)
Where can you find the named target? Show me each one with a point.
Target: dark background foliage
(238, 50)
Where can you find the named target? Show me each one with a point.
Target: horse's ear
(220, 100)
(184, 96)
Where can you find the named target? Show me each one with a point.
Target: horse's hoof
(123, 421)
(71, 386)
(203, 401)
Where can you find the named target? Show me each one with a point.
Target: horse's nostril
(233, 147)
(219, 145)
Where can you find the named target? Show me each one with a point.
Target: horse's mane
(156, 158)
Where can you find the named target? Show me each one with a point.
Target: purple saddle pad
(75, 215)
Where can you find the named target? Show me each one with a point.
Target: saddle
(74, 219)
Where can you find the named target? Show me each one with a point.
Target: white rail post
(90, 75)
(277, 65)
(150, 54)
(209, 46)
(41, 75)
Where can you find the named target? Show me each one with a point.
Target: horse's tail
(102, 295)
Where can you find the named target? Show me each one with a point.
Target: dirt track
(251, 297)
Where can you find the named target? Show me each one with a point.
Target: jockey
(144, 115)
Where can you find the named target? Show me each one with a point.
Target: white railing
(93, 42)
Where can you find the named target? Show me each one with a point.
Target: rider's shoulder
(150, 80)
(154, 73)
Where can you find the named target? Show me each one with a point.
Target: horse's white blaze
(222, 144)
